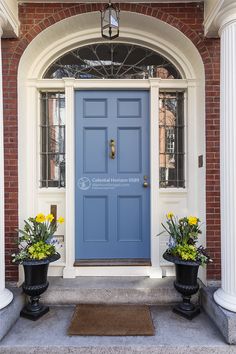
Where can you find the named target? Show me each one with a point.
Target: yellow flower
(40, 217)
(50, 217)
(170, 215)
(61, 220)
(192, 220)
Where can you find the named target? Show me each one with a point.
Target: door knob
(145, 182)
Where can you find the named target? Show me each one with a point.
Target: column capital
(226, 17)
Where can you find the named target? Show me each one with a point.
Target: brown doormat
(111, 320)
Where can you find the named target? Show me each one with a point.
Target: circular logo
(84, 183)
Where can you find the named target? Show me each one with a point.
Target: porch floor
(173, 335)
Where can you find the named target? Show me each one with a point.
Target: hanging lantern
(110, 22)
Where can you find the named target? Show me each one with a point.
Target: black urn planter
(35, 284)
(186, 284)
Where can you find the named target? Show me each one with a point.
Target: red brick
(187, 18)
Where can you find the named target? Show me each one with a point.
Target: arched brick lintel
(194, 36)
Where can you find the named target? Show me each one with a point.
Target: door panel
(131, 230)
(129, 154)
(112, 206)
(97, 230)
(95, 159)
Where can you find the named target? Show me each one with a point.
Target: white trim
(69, 270)
(11, 27)
(138, 37)
(44, 52)
(210, 30)
(155, 271)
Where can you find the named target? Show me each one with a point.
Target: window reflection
(112, 61)
(52, 139)
(171, 140)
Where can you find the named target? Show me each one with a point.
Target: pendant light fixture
(110, 21)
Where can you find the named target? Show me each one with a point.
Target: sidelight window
(171, 140)
(52, 135)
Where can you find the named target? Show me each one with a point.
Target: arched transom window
(112, 61)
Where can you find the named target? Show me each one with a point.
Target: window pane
(171, 140)
(52, 139)
(112, 61)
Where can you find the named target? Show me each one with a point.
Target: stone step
(173, 335)
(111, 290)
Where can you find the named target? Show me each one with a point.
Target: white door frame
(80, 30)
(69, 86)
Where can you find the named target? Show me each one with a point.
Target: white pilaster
(226, 295)
(5, 295)
(69, 270)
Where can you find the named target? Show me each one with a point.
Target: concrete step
(111, 290)
(173, 335)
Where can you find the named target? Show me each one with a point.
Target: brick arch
(195, 35)
(44, 15)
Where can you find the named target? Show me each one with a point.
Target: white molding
(44, 52)
(11, 28)
(208, 23)
(59, 84)
(156, 271)
(226, 17)
(69, 271)
(137, 36)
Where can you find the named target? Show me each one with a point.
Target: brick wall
(187, 18)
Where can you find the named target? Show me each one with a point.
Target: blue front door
(112, 164)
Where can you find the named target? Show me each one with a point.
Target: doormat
(111, 320)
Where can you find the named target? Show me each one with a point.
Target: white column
(226, 295)
(5, 295)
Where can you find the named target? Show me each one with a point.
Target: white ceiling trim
(12, 25)
(209, 29)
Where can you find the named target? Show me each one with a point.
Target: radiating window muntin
(171, 140)
(112, 61)
(52, 135)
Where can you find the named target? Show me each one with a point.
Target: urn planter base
(189, 314)
(33, 316)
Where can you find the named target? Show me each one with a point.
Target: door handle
(145, 182)
(112, 149)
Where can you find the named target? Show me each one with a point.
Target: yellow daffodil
(61, 220)
(50, 217)
(192, 220)
(40, 217)
(170, 215)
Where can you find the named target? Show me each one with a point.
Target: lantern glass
(110, 22)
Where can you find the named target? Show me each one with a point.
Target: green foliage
(41, 250)
(36, 238)
(185, 252)
(183, 239)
